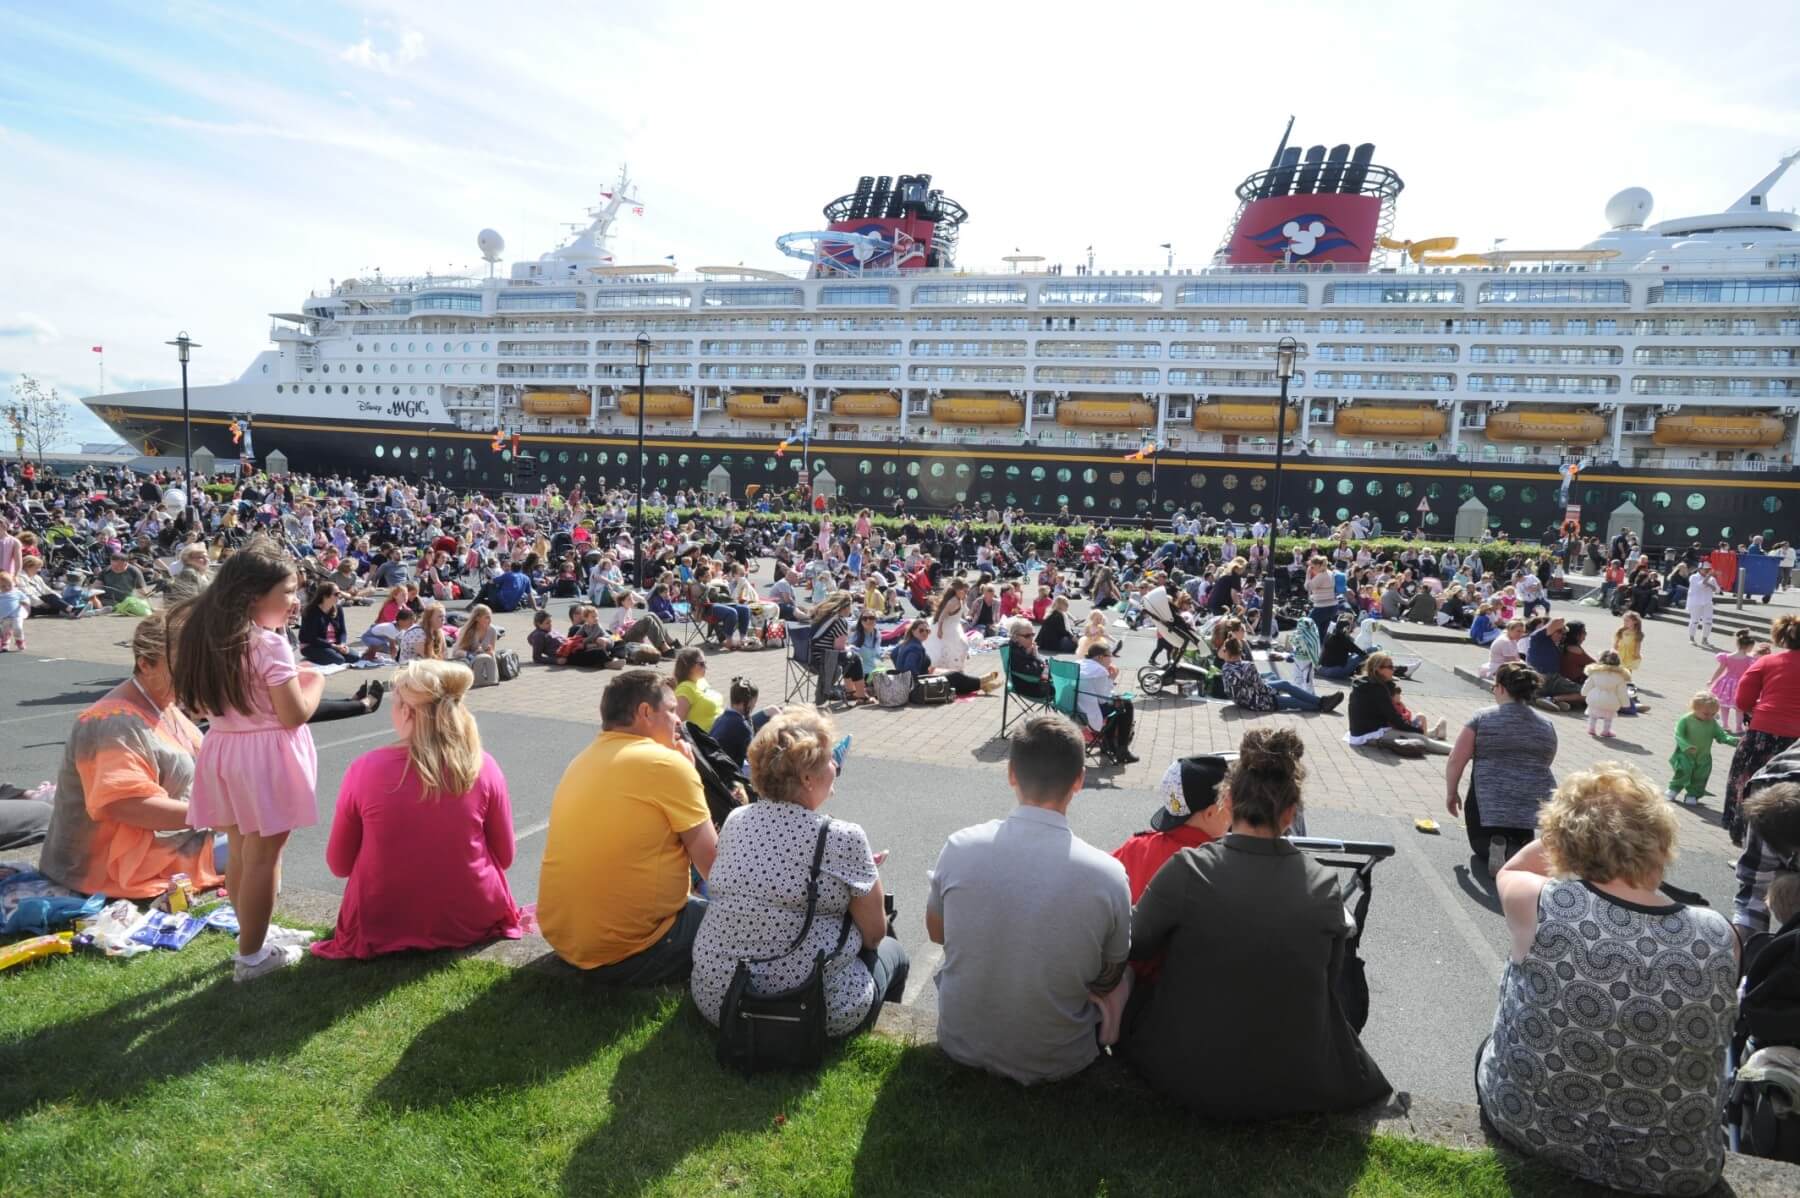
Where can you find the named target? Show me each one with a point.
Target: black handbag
(759, 1032)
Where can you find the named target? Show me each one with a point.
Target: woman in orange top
(125, 778)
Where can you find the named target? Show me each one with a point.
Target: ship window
(1728, 291)
(1346, 487)
(465, 347)
(937, 470)
(380, 452)
(1394, 293)
(1374, 487)
(1143, 478)
(412, 390)
(360, 389)
(1012, 473)
(1089, 476)
(1197, 480)
(969, 293)
(1241, 293)
(962, 470)
(1692, 531)
(1229, 482)
(265, 369)
(1403, 489)
(1725, 533)
(752, 297)
(359, 368)
(1100, 293)
(278, 388)
(865, 466)
(855, 297)
(412, 346)
(1528, 494)
(431, 452)
(557, 301)
(429, 347)
(1087, 501)
(1062, 501)
(1695, 501)
(310, 389)
(1115, 477)
(359, 347)
(987, 472)
(1318, 486)
(1661, 499)
(1771, 504)
(413, 452)
(912, 469)
(1555, 291)
(1064, 475)
(1496, 493)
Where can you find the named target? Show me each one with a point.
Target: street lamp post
(1285, 351)
(643, 367)
(183, 344)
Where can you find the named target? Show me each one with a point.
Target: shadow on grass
(503, 1039)
(149, 1038)
(670, 1098)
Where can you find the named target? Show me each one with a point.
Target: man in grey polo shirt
(1033, 921)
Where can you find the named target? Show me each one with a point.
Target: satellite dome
(491, 243)
(1629, 209)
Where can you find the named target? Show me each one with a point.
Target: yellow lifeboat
(658, 403)
(1105, 413)
(866, 403)
(978, 409)
(1391, 424)
(1748, 431)
(1561, 428)
(555, 403)
(751, 406)
(1242, 419)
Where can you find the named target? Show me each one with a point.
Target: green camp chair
(1021, 705)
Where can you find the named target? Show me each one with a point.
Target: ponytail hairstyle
(432, 621)
(207, 666)
(444, 746)
(1264, 781)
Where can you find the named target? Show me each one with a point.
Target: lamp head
(1285, 352)
(183, 343)
(643, 349)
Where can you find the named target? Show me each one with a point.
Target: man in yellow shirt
(628, 820)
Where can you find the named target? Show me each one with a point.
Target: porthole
(912, 492)
(1256, 509)
(1435, 491)
(360, 389)
(1197, 480)
(962, 470)
(1143, 478)
(1431, 519)
(1346, 487)
(1115, 477)
(1062, 501)
(1403, 518)
(1090, 476)
(1230, 509)
(1038, 474)
(1465, 493)
(912, 469)
(342, 368)
(1012, 473)
(1064, 475)
(1496, 493)
(1403, 489)
(394, 451)
(428, 347)
(769, 465)
(1627, 496)
(987, 472)
(1318, 486)
(1661, 499)
(412, 390)
(393, 347)
(1695, 501)
(429, 368)
(411, 347)
(431, 452)
(359, 347)
(359, 368)
(265, 368)
(393, 368)
(1087, 501)
(310, 388)
(278, 388)
(1691, 532)
(1258, 482)
(544, 456)
(889, 468)
(562, 458)
(413, 452)
(1373, 487)
(484, 347)
(410, 367)
(681, 461)
(465, 347)
(1114, 503)
(1528, 494)
(380, 452)
(1771, 504)
(1229, 482)
(865, 466)
(1725, 533)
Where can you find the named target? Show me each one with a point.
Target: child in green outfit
(1695, 734)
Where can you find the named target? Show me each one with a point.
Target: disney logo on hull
(398, 409)
(1305, 228)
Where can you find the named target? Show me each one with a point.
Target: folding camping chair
(801, 677)
(1021, 705)
(1065, 691)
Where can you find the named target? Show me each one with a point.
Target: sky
(197, 166)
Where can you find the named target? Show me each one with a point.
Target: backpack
(486, 669)
(506, 665)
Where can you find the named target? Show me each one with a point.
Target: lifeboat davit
(658, 403)
(555, 403)
(1105, 413)
(1748, 431)
(1391, 424)
(787, 405)
(1559, 428)
(978, 409)
(866, 403)
(1240, 419)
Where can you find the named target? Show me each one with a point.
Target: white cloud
(25, 326)
(410, 48)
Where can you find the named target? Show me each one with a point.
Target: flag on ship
(99, 349)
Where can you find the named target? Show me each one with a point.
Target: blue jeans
(670, 959)
(888, 965)
(1323, 617)
(1351, 665)
(1289, 697)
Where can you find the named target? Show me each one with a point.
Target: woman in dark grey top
(1244, 1021)
(1512, 748)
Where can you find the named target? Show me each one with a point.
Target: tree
(38, 417)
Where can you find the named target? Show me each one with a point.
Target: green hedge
(1494, 554)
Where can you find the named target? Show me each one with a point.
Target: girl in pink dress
(423, 829)
(1725, 680)
(256, 775)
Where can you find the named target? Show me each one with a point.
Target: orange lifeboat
(867, 403)
(978, 409)
(1242, 419)
(555, 403)
(1559, 428)
(1105, 413)
(785, 406)
(1392, 423)
(658, 403)
(1747, 431)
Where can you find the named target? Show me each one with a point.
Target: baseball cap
(1189, 785)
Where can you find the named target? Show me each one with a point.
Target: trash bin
(1759, 570)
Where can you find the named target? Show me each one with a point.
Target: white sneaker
(276, 956)
(1690, 800)
(280, 935)
(1439, 729)
(1673, 795)
(1496, 856)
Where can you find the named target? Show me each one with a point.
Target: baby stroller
(1359, 857)
(1154, 679)
(1762, 1078)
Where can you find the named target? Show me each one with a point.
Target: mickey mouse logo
(1303, 239)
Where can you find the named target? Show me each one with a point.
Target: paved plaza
(1435, 940)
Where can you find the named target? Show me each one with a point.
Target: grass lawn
(436, 1074)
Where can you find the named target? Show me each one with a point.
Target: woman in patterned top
(1616, 1006)
(756, 892)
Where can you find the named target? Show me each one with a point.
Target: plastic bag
(112, 930)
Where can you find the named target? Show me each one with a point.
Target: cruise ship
(1652, 370)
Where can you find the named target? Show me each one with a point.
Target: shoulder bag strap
(812, 900)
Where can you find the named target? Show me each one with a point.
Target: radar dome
(1629, 209)
(491, 243)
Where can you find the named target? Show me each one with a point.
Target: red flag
(99, 349)
(515, 444)
(638, 211)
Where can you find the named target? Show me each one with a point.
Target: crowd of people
(689, 842)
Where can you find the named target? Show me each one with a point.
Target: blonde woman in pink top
(423, 829)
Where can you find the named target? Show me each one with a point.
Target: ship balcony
(518, 370)
(1677, 389)
(1372, 383)
(1486, 385)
